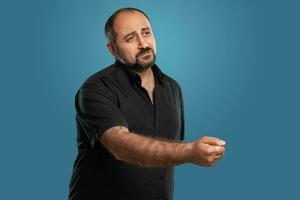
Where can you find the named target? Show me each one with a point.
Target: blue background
(237, 63)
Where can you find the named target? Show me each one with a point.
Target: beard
(144, 59)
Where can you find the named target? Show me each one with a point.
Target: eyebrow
(146, 29)
(131, 33)
(127, 35)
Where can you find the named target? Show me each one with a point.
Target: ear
(111, 49)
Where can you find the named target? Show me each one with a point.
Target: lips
(144, 54)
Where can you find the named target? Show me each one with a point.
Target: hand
(207, 151)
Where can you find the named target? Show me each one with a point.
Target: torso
(148, 83)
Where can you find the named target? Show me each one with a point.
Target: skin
(133, 34)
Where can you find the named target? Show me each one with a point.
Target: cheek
(154, 46)
(154, 49)
(128, 54)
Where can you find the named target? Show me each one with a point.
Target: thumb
(213, 141)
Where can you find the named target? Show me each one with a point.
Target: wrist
(188, 152)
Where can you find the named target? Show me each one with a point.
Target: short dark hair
(109, 25)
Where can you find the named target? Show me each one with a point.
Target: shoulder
(99, 78)
(167, 80)
(172, 84)
(171, 81)
(98, 86)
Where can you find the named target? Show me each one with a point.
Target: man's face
(134, 43)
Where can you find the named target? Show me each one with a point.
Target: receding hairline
(109, 26)
(124, 12)
(130, 11)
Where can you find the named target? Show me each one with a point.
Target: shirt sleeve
(182, 115)
(97, 110)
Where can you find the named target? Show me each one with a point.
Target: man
(130, 122)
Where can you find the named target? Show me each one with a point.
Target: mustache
(143, 51)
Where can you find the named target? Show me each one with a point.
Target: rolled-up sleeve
(97, 110)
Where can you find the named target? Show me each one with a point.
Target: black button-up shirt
(114, 97)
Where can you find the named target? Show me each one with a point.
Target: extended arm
(149, 152)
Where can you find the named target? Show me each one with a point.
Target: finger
(213, 160)
(213, 141)
(218, 156)
(216, 150)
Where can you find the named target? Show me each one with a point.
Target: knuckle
(210, 160)
(218, 149)
(207, 151)
(203, 138)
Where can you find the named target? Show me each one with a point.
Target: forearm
(144, 151)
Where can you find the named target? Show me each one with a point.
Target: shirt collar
(135, 78)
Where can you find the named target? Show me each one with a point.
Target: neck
(146, 75)
(148, 82)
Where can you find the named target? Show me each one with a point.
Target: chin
(141, 67)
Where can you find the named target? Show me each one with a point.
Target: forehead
(129, 21)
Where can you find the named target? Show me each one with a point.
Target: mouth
(146, 54)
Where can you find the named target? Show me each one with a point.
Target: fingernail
(222, 142)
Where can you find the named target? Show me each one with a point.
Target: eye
(129, 39)
(147, 33)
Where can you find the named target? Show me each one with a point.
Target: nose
(142, 42)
